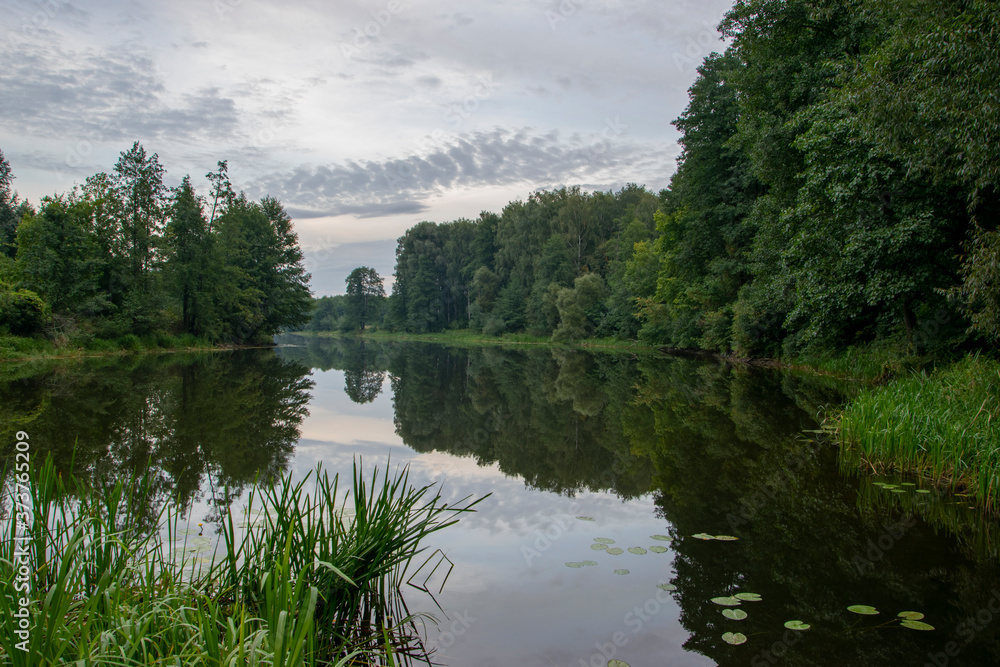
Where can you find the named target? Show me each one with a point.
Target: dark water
(635, 445)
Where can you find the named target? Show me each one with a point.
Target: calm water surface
(572, 446)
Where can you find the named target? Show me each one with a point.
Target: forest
(124, 261)
(837, 190)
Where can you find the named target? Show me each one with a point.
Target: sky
(362, 117)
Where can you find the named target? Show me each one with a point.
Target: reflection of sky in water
(523, 606)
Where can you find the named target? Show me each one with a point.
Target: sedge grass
(316, 582)
(945, 426)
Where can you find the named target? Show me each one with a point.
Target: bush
(130, 342)
(22, 312)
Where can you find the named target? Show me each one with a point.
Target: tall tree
(190, 259)
(364, 294)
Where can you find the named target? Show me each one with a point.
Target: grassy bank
(17, 347)
(310, 580)
(466, 337)
(944, 425)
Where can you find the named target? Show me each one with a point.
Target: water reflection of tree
(218, 418)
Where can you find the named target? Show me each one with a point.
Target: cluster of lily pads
(907, 619)
(902, 487)
(606, 544)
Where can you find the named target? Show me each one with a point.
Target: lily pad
(863, 609)
(667, 587)
(574, 565)
(638, 551)
(727, 601)
(734, 638)
(657, 549)
(726, 538)
(585, 518)
(916, 625)
(907, 484)
(618, 663)
(597, 546)
(748, 597)
(923, 491)
(911, 615)
(614, 551)
(899, 490)
(604, 540)
(588, 563)
(734, 614)
(621, 571)
(662, 538)
(704, 536)
(797, 625)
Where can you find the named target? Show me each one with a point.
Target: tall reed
(945, 426)
(316, 582)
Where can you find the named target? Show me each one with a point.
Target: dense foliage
(836, 188)
(123, 255)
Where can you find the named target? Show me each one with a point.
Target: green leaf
(662, 538)
(614, 551)
(863, 609)
(618, 663)
(638, 551)
(621, 571)
(797, 625)
(598, 546)
(734, 614)
(734, 638)
(704, 536)
(588, 563)
(727, 601)
(574, 565)
(726, 538)
(911, 615)
(604, 540)
(585, 518)
(916, 625)
(748, 597)
(657, 549)
(667, 587)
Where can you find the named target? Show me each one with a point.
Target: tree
(364, 294)
(191, 260)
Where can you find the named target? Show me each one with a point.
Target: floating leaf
(662, 538)
(598, 546)
(726, 538)
(618, 663)
(923, 490)
(899, 490)
(667, 587)
(916, 625)
(728, 601)
(862, 609)
(621, 571)
(574, 565)
(734, 614)
(614, 551)
(604, 540)
(748, 597)
(585, 518)
(907, 484)
(704, 536)
(797, 625)
(657, 549)
(638, 551)
(911, 615)
(588, 563)
(734, 638)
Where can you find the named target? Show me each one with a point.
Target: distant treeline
(838, 186)
(124, 256)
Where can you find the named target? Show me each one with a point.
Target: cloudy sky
(362, 117)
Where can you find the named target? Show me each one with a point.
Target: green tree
(191, 261)
(364, 294)
(11, 210)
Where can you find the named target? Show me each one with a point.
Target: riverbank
(459, 337)
(17, 348)
(943, 425)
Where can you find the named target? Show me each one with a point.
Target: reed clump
(945, 425)
(312, 578)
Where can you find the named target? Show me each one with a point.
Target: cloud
(498, 157)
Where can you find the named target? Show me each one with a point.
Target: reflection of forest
(722, 448)
(204, 420)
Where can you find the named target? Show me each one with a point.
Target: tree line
(837, 186)
(124, 255)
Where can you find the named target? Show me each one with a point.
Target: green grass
(17, 347)
(468, 337)
(316, 581)
(945, 426)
